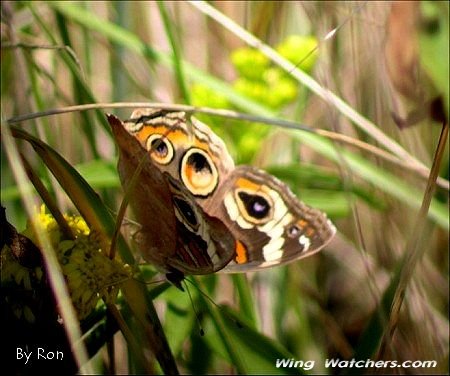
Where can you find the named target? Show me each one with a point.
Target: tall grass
(379, 291)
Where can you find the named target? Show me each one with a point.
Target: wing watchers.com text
(368, 363)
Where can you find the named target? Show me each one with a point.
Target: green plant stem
(177, 61)
(414, 248)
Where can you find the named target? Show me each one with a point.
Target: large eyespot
(160, 148)
(198, 172)
(256, 208)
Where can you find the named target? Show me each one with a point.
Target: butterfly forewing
(185, 148)
(204, 243)
(175, 233)
(149, 196)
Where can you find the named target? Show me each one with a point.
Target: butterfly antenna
(238, 324)
(202, 332)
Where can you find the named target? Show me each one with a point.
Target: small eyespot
(293, 231)
(160, 148)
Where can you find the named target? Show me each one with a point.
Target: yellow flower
(89, 272)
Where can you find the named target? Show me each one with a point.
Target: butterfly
(199, 213)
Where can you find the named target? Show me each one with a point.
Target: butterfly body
(219, 217)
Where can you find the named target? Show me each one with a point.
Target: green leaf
(179, 318)
(244, 347)
(81, 194)
(323, 187)
(99, 173)
(245, 299)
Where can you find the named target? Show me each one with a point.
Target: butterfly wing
(175, 235)
(184, 147)
(270, 225)
(149, 198)
(250, 220)
(204, 243)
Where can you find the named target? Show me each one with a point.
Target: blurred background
(387, 60)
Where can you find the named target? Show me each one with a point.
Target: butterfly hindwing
(269, 224)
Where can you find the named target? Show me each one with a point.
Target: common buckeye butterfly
(201, 214)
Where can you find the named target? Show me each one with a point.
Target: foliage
(336, 304)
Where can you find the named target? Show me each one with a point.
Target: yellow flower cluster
(89, 272)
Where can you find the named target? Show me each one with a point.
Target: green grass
(337, 304)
